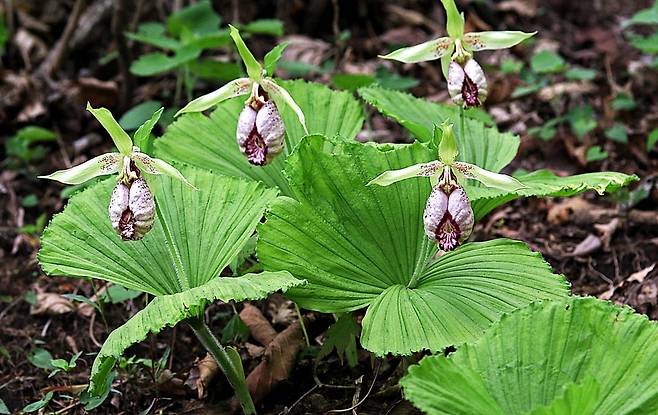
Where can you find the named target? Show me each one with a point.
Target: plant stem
(179, 88)
(233, 374)
(461, 119)
(301, 322)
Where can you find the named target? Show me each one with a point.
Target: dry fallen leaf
(587, 246)
(560, 212)
(526, 8)
(638, 276)
(277, 363)
(202, 374)
(281, 310)
(51, 304)
(547, 93)
(260, 328)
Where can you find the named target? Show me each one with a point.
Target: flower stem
(234, 374)
(461, 119)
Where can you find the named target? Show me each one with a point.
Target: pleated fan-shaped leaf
(416, 114)
(364, 246)
(206, 228)
(210, 142)
(570, 357)
(485, 147)
(546, 183)
(196, 235)
(167, 310)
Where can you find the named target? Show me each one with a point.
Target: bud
(448, 216)
(467, 84)
(132, 209)
(260, 132)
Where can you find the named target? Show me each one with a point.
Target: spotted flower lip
(132, 205)
(260, 129)
(457, 45)
(260, 133)
(467, 83)
(132, 209)
(448, 216)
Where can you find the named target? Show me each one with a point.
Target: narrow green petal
(454, 20)
(144, 131)
(156, 166)
(107, 163)
(448, 150)
(232, 89)
(121, 139)
(495, 40)
(254, 69)
(281, 95)
(427, 51)
(417, 170)
(488, 178)
(272, 58)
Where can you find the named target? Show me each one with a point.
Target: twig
(301, 398)
(120, 19)
(68, 408)
(58, 54)
(356, 405)
(91, 331)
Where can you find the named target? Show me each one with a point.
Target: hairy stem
(234, 374)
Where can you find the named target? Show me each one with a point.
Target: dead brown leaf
(527, 8)
(202, 374)
(547, 93)
(281, 310)
(277, 362)
(51, 304)
(639, 277)
(260, 328)
(306, 50)
(561, 212)
(587, 246)
(168, 384)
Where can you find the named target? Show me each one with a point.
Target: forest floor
(606, 246)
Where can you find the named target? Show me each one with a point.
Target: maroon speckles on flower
(470, 93)
(132, 209)
(260, 133)
(467, 84)
(448, 217)
(447, 233)
(255, 148)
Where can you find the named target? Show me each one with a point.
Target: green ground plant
(343, 232)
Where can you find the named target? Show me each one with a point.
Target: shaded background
(581, 94)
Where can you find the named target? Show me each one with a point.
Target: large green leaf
(579, 356)
(361, 246)
(210, 143)
(485, 147)
(196, 235)
(167, 310)
(545, 183)
(481, 145)
(206, 229)
(417, 114)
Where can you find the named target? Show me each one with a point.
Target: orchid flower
(448, 214)
(132, 206)
(260, 130)
(466, 82)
